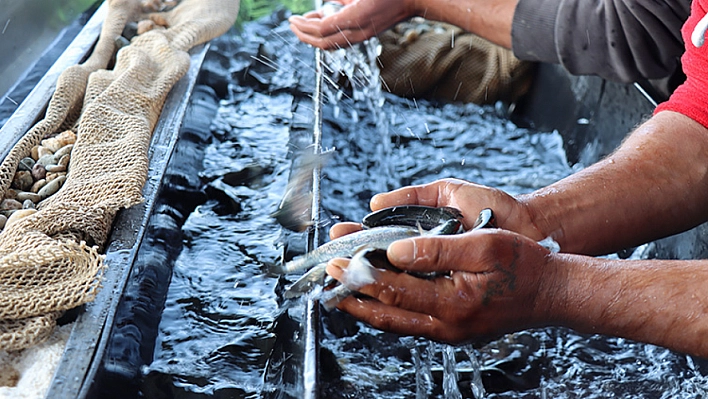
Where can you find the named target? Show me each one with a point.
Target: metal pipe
(311, 356)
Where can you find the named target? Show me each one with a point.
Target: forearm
(654, 185)
(488, 19)
(660, 302)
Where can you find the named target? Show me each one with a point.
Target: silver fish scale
(377, 237)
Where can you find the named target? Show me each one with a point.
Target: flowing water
(225, 331)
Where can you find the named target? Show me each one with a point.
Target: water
(223, 317)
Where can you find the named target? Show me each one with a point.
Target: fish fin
(306, 282)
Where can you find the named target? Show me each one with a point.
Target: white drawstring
(699, 32)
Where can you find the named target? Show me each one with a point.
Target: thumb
(426, 254)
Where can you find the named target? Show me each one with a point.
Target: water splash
(353, 72)
(450, 388)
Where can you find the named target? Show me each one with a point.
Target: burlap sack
(427, 59)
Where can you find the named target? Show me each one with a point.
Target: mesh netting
(430, 59)
(51, 258)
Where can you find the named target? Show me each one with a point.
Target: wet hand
(470, 198)
(343, 228)
(357, 21)
(498, 282)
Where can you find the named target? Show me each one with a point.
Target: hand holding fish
(509, 212)
(497, 284)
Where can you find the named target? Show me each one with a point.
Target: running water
(353, 71)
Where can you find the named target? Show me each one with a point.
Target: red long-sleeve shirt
(691, 98)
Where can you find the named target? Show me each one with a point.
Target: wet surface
(225, 332)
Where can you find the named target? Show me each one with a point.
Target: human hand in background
(357, 21)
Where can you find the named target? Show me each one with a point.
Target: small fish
(307, 281)
(346, 246)
(427, 217)
(378, 237)
(295, 209)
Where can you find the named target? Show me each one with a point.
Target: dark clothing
(619, 40)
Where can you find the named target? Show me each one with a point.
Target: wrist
(540, 225)
(551, 302)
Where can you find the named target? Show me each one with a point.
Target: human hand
(498, 282)
(470, 198)
(357, 21)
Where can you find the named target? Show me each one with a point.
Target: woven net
(51, 259)
(420, 58)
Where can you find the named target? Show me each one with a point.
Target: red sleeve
(691, 98)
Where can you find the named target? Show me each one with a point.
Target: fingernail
(341, 263)
(402, 252)
(374, 199)
(335, 267)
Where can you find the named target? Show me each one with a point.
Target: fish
(294, 211)
(427, 217)
(346, 246)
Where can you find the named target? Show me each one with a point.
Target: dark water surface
(223, 317)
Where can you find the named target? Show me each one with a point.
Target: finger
(392, 319)
(396, 289)
(341, 39)
(441, 254)
(344, 228)
(311, 15)
(335, 28)
(435, 194)
(336, 266)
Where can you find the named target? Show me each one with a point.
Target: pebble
(39, 172)
(17, 215)
(53, 175)
(55, 168)
(51, 187)
(64, 151)
(26, 164)
(28, 196)
(38, 185)
(38, 176)
(46, 160)
(22, 181)
(63, 160)
(42, 151)
(10, 204)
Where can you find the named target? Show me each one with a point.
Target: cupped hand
(357, 21)
(495, 282)
(470, 198)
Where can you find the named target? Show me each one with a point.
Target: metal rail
(312, 319)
